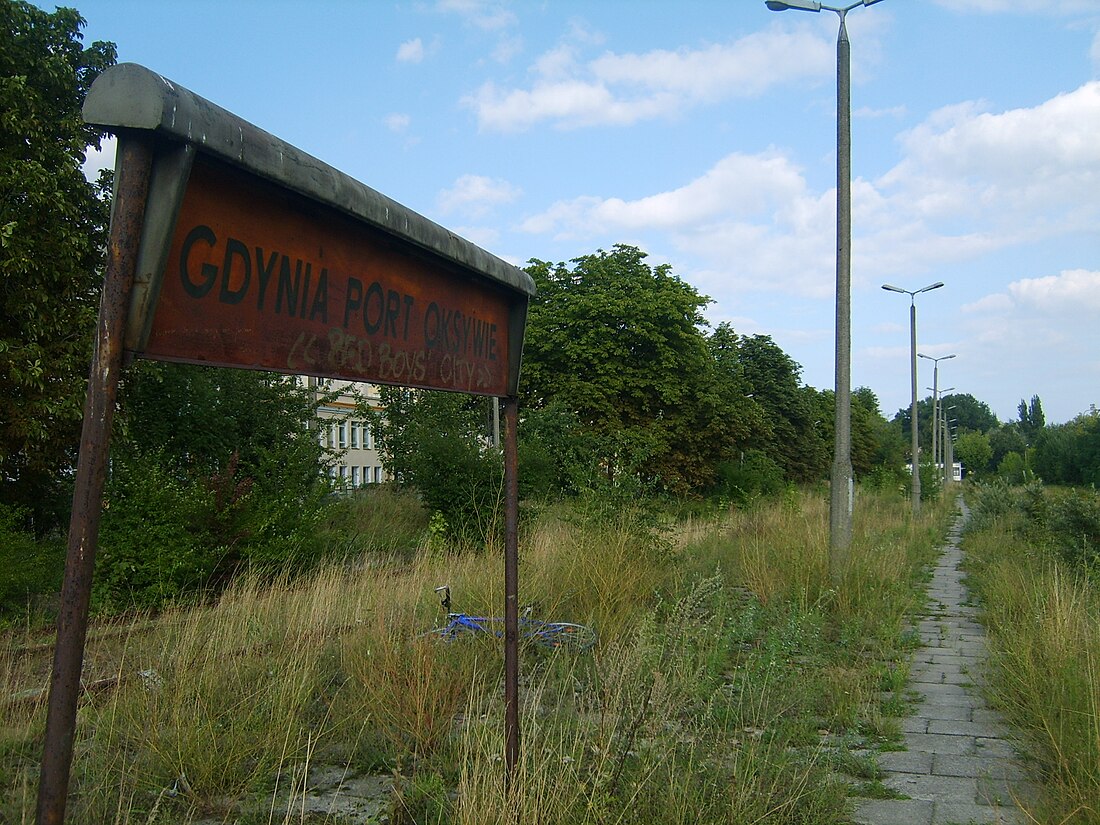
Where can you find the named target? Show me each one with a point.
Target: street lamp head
(930, 287)
(803, 5)
(891, 288)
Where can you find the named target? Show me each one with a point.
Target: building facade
(345, 434)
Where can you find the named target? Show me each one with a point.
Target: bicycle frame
(547, 634)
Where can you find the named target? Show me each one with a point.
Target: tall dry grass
(722, 653)
(1044, 621)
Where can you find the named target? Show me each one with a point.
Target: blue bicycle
(553, 635)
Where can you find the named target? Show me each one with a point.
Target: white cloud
(622, 89)
(490, 15)
(1034, 313)
(970, 182)
(411, 51)
(747, 222)
(507, 48)
(397, 122)
(973, 181)
(1020, 6)
(737, 186)
(476, 195)
(1072, 291)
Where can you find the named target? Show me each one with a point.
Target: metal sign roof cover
(255, 254)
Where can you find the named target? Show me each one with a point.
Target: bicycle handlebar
(446, 600)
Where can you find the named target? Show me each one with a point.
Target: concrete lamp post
(915, 446)
(935, 403)
(938, 416)
(841, 487)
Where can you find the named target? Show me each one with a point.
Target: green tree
(1031, 419)
(970, 413)
(52, 235)
(1070, 453)
(875, 443)
(974, 452)
(1012, 468)
(620, 343)
(793, 411)
(212, 470)
(740, 423)
(435, 442)
(1006, 439)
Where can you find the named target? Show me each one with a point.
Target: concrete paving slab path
(959, 766)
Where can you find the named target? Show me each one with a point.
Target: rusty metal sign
(254, 254)
(231, 247)
(261, 278)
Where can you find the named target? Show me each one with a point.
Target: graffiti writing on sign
(263, 282)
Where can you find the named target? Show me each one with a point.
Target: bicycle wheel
(562, 635)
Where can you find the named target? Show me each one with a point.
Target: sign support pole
(511, 591)
(134, 162)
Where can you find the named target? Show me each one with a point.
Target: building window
(354, 435)
(377, 475)
(368, 441)
(343, 435)
(354, 476)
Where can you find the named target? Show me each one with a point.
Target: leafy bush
(887, 477)
(153, 545)
(434, 442)
(757, 476)
(991, 502)
(1073, 522)
(214, 471)
(1067, 521)
(1013, 468)
(29, 568)
(166, 536)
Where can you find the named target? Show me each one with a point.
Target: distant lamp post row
(841, 487)
(915, 442)
(945, 436)
(936, 404)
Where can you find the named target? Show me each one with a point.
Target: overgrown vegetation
(1033, 557)
(731, 683)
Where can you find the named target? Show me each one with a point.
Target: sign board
(231, 247)
(260, 278)
(256, 255)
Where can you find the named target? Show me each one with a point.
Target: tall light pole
(950, 445)
(948, 440)
(841, 488)
(945, 441)
(937, 416)
(935, 404)
(913, 372)
(937, 421)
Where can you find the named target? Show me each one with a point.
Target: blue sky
(704, 132)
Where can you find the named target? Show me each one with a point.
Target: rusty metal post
(132, 170)
(511, 591)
